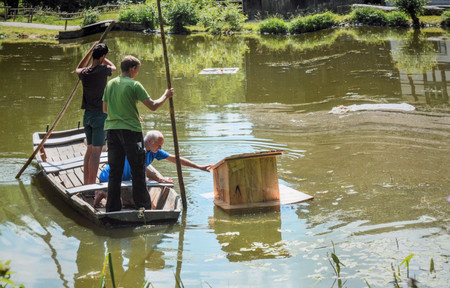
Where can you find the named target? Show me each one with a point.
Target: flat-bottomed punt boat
(61, 161)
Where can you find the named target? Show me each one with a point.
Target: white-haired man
(153, 141)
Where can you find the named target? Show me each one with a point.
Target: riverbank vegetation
(187, 16)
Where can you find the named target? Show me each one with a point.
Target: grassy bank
(25, 33)
(46, 34)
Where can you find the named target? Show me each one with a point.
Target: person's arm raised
(155, 104)
(85, 60)
(110, 64)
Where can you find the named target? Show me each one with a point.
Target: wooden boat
(61, 161)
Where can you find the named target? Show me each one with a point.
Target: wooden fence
(13, 13)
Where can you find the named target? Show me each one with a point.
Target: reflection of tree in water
(416, 54)
(188, 55)
(246, 237)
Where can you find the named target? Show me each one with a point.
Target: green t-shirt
(121, 96)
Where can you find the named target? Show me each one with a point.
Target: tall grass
(369, 16)
(273, 25)
(312, 23)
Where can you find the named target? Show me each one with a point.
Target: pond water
(380, 180)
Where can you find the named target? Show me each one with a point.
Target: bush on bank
(312, 23)
(144, 14)
(273, 25)
(446, 18)
(359, 16)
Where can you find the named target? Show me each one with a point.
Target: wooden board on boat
(61, 161)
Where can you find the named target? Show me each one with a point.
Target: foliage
(336, 265)
(273, 25)
(369, 16)
(144, 14)
(181, 13)
(218, 18)
(414, 8)
(68, 5)
(446, 18)
(397, 19)
(5, 276)
(312, 23)
(91, 16)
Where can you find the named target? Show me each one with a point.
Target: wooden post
(172, 110)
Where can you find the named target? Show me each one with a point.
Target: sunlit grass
(24, 33)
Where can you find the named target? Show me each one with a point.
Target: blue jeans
(127, 143)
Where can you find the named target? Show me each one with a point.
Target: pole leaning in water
(172, 112)
(62, 111)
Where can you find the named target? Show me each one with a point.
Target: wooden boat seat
(104, 186)
(52, 167)
(63, 140)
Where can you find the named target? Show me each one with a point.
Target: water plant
(5, 276)
(111, 269)
(336, 265)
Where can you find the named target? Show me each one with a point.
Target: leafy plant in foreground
(336, 264)
(5, 276)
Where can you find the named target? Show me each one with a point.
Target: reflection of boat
(61, 160)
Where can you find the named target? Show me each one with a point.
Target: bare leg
(91, 163)
(87, 157)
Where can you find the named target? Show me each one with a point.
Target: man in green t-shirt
(124, 132)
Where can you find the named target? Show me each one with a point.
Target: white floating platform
(391, 107)
(287, 196)
(219, 71)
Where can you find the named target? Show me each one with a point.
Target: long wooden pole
(62, 111)
(172, 112)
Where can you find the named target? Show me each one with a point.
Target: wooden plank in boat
(63, 140)
(73, 178)
(104, 186)
(71, 160)
(51, 167)
(64, 152)
(79, 173)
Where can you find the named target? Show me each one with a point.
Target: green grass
(28, 33)
(252, 26)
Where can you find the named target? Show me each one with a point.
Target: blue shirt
(149, 157)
